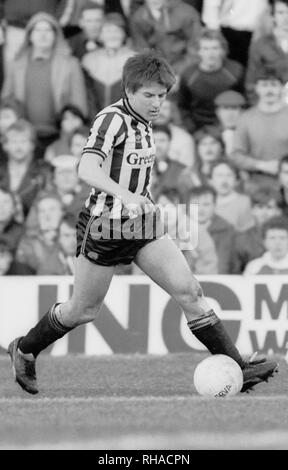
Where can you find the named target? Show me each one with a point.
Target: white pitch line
(116, 399)
(185, 441)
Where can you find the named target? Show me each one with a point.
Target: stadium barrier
(139, 317)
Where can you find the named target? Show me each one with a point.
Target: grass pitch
(138, 402)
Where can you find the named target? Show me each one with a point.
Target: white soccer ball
(218, 376)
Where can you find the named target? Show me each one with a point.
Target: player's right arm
(107, 131)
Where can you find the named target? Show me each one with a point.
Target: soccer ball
(218, 376)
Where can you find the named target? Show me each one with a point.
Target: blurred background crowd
(221, 138)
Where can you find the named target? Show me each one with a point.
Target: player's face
(6, 207)
(228, 116)
(209, 149)
(18, 146)
(281, 15)
(147, 101)
(42, 35)
(276, 242)
(263, 212)
(269, 91)
(67, 239)
(223, 180)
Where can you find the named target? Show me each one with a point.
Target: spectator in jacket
(249, 244)
(17, 14)
(21, 173)
(39, 242)
(70, 119)
(230, 205)
(10, 229)
(182, 146)
(210, 149)
(198, 248)
(261, 137)
(275, 258)
(221, 232)
(271, 50)
(45, 78)
(170, 26)
(238, 19)
(104, 66)
(8, 265)
(91, 17)
(203, 81)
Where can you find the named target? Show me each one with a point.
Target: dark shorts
(108, 242)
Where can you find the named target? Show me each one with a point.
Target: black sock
(211, 332)
(46, 332)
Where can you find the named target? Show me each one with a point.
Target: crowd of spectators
(221, 136)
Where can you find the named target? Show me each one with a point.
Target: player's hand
(136, 205)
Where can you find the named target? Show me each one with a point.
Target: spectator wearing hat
(8, 265)
(104, 66)
(170, 26)
(44, 77)
(229, 106)
(230, 205)
(237, 19)
(222, 232)
(201, 82)
(10, 229)
(249, 244)
(261, 137)
(275, 258)
(182, 145)
(209, 150)
(271, 50)
(20, 173)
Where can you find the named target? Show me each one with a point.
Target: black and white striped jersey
(124, 141)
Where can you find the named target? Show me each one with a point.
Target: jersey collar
(133, 113)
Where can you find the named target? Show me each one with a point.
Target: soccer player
(117, 163)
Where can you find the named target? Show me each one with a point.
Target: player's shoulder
(117, 108)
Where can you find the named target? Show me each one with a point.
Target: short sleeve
(108, 130)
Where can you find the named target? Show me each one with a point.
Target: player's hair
(262, 196)
(144, 69)
(214, 35)
(276, 223)
(202, 191)
(22, 126)
(91, 6)
(68, 219)
(162, 128)
(273, 4)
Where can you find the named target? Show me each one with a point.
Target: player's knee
(82, 314)
(189, 294)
